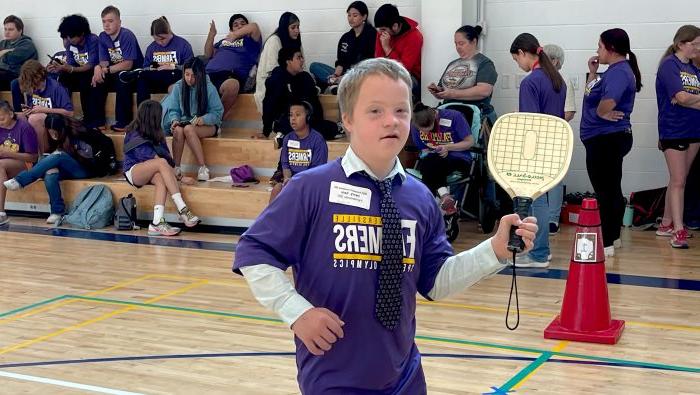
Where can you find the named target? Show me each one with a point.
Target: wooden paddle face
(529, 154)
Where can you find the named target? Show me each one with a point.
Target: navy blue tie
(388, 302)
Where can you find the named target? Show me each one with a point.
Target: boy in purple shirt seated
(301, 150)
(119, 51)
(362, 240)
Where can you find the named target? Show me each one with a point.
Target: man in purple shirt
(327, 225)
(119, 51)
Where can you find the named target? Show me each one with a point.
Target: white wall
(576, 25)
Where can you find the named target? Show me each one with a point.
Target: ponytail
(635, 69)
(550, 70)
(616, 40)
(526, 42)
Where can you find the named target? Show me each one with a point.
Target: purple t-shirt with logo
(20, 138)
(298, 155)
(676, 121)
(327, 228)
(617, 83)
(537, 95)
(452, 128)
(124, 47)
(88, 53)
(54, 95)
(177, 52)
(238, 56)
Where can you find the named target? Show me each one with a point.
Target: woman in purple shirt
(606, 131)
(678, 99)
(543, 91)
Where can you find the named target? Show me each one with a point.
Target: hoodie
(23, 49)
(405, 48)
(172, 106)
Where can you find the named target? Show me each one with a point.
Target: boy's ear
(347, 122)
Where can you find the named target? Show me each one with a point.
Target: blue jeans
(68, 168)
(556, 198)
(321, 72)
(540, 210)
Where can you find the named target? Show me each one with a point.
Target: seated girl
(192, 111)
(147, 160)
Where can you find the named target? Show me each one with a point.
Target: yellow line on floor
(559, 347)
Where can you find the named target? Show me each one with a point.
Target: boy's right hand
(318, 329)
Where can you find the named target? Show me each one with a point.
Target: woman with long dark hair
(543, 91)
(678, 100)
(147, 160)
(287, 35)
(606, 130)
(192, 111)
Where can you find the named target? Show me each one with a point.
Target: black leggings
(89, 96)
(604, 155)
(436, 169)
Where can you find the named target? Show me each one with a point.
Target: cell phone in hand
(55, 59)
(155, 65)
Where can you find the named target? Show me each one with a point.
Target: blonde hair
(349, 88)
(685, 33)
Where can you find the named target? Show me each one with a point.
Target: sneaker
(53, 218)
(4, 219)
(525, 261)
(609, 251)
(448, 204)
(693, 225)
(553, 228)
(680, 239)
(178, 172)
(279, 140)
(665, 230)
(617, 243)
(188, 218)
(12, 184)
(162, 229)
(203, 174)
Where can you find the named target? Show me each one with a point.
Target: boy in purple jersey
(75, 72)
(163, 60)
(301, 150)
(233, 60)
(119, 51)
(332, 241)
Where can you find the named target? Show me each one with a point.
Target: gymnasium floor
(121, 313)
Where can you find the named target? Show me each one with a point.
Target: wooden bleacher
(215, 203)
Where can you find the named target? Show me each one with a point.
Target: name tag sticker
(445, 122)
(293, 144)
(350, 195)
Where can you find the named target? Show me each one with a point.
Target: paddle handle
(521, 205)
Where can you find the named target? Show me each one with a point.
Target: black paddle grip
(521, 206)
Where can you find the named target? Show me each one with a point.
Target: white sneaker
(525, 261)
(53, 218)
(188, 218)
(203, 174)
(12, 185)
(178, 172)
(4, 219)
(162, 229)
(617, 243)
(610, 251)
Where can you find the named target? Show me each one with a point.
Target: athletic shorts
(677, 144)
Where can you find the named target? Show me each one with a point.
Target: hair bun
(478, 29)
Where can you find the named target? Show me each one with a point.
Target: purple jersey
(327, 227)
(54, 95)
(123, 47)
(20, 138)
(617, 83)
(451, 128)
(676, 121)
(238, 56)
(537, 95)
(177, 52)
(298, 155)
(88, 53)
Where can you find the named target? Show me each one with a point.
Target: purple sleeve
(148, 56)
(103, 44)
(415, 135)
(28, 142)
(93, 49)
(278, 236)
(61, 98)
(670, 75)
(615, 86)
(528, 97)
(129, 46)
(184, 53)
(436, 248)
(320, 152)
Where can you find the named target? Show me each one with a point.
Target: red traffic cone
(585, 312)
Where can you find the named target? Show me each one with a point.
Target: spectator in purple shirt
(119, 51)
(18, 147)
(334, 226)
(678, 100)
(163, 61)
(302, 150)
(147, 160)
(34, 96)
(543, 91)
(81, 57)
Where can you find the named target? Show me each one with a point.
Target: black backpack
(648, 206)
(125, 214)
(101, 155)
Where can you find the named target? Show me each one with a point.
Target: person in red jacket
(398, 38)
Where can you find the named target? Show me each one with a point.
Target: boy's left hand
(527, 229)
